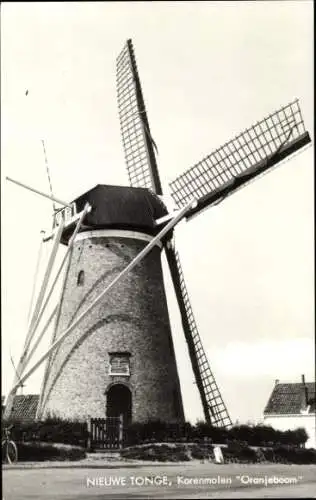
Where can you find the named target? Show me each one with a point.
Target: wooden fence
(105, 433)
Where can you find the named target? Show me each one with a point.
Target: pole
(60, 268)
(86, 209)
(30, 334)
(42, 291)
(39, 338)
(46, 371)
(35, 277)
(166, 218)
(130, 266)
(61, 202)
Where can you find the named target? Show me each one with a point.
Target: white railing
(66, 214)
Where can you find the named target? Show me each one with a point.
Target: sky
(208, 71)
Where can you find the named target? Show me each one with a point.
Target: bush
(202, 452)
(168, 452)
(260, 455)
(181, 456)
(248, 454)
(240, 451)
(56, 430)
(258, 435)
(294, 455)
(157, 431)
(261, 435)
(216, 434)
(150, 431)
(236, 451)
(269, 454)
(51, 430)
(37, 451)
(299, 436)
(64, 431)
(155, 452)
(160, 431)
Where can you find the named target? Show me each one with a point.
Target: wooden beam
(244, 178)
(31, 331)
(70, 221)
(35, 276)
(43, 288)
(46, 372)
(60, 202)
(166, 218)
(82, 214)
(39, 338)
(70, 245)
(128, 268)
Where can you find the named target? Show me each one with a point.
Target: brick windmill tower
(112, 353)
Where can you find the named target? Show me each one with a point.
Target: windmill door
(119, 402)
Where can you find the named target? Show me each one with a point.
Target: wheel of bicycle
(9, 452)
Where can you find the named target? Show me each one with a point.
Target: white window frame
(66, 213)
(123, 356)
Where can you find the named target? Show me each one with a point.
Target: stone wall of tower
(132, 317)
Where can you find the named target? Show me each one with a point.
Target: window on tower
(120, 363)
(80, 278)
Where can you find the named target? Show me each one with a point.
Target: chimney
(276, 381)
(305, 391)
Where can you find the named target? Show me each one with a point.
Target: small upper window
(119, 364)
(80, 278)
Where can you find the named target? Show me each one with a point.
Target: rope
(46, 163)
(48, 174)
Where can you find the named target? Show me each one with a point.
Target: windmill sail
(213, 405)
(143, 172)
(240, 160)
(137, 140)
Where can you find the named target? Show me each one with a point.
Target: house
(292, 405)
(24, 407)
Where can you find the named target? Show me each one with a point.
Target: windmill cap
(119, 207)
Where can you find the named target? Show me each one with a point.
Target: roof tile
(24, 407)
(290, 398)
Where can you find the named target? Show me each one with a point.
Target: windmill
(112, 350)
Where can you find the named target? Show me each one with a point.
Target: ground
(82, 481)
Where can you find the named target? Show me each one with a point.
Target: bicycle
(9, 448)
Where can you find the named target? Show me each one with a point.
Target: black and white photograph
(157, 256)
